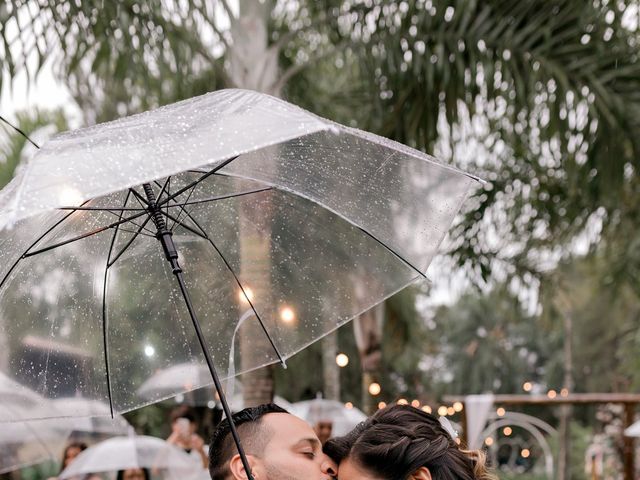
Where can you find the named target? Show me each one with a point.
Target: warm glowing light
(564, 392)
(451, 411)
(488, 441)
(458, 441)
(342, 360)
(149, 351)
(442, 411)
(375, 389)
(458, 406)
(525, 453)
(427, 409)
(70, 197)
(552, 394)
(382, 405)
(287, 315)
(527, 386)
(501, 411)
(402, 401)
(246, 296)
(415, 403)
(507, 431)
(348, 405)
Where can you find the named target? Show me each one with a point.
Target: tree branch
(295, 69)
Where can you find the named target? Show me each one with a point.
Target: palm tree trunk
(252, 65)
(367, 329)
(564, 455)
(330, 370)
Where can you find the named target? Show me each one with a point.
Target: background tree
(540, 97)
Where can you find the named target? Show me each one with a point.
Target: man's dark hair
(253, 435)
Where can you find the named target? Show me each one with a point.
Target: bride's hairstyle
(398, 440)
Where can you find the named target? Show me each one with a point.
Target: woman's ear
(422, 473)
(237, 468)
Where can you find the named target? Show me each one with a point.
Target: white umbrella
(195, 379)
(31, 442)
(633, 430)
(191, 378)
(320, 409)
(28, 442)
(135, 451)
(99, 419)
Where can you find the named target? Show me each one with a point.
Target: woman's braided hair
(399, 439)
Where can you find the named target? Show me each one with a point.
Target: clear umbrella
(100, 422)
(184, 376)
(135, 451)
(27, 442)
(31, 442)
(264, 206)
(342, 418)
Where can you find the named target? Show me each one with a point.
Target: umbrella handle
(166, 239)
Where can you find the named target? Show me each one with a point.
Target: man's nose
(329, 467)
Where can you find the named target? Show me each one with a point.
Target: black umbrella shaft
(166, 239)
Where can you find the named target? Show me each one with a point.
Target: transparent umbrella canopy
(29, 442)
(184, 376)
(230, 222)
(100, 421)
(135, 451)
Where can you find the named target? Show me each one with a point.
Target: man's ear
(237, 468)
(422, 473)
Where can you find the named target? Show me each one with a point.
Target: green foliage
(486, 343)
(605, 318)
(550, 87)
(13, 143)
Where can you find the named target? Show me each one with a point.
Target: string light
(501, 411)
(525, 453)
(442, 411)
(507, 431)
(348, 405)
(552, 394)
(488, 441)
(427, 409)
(375, 389)
(403, 401)
(415, 403)
(287, 315)
(381, 405)
(246, 296)
(342, 360)
(527, 386)
(458, 406)
(564, 392)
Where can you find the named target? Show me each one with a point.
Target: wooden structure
(628, 400)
